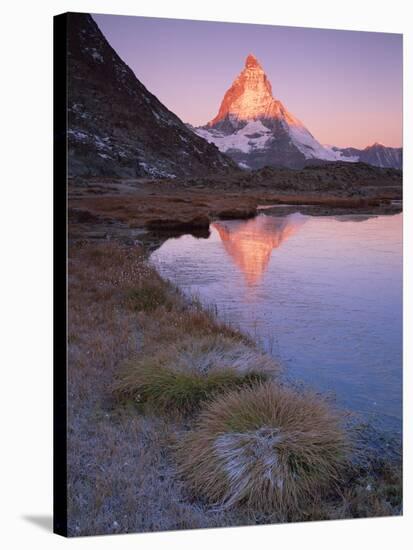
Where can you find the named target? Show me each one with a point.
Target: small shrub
(264, 446)
(182, 375)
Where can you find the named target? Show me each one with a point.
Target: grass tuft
(266, 447)
(181, 376)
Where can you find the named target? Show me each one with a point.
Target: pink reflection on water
(251, 243)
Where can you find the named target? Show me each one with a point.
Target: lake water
(323, 295)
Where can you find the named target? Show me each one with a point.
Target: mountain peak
(252, 62)
(255, 129)
(250, 98)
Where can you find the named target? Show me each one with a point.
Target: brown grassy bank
(123, 472)
(162, 209)
(99, 206)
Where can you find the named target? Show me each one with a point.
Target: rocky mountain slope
(116, 127)
(376, 154)
(256, 129)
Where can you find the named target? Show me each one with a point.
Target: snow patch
(102, 143)
(311, 148)
(339, 154)
(95, 54)
(253, 135)
(78, 135)
(156, 172)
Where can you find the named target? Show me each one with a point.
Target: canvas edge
(60, 274)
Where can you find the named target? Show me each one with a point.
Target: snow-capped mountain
(116, 127)
(256, 129)
(376, 154)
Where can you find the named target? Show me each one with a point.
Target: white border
(26, 301)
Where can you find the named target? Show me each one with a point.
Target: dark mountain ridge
(116, 127)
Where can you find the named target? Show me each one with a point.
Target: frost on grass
(122, 469)
(246, 456)
(265, 447)
(182, 375)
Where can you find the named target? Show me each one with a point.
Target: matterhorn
(255, 129)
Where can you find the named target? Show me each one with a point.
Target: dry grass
(189, 205)
(182, 375)
(121, 470)
(122, 473)
(265, 447)
(377, 493)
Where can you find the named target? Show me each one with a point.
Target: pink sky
(345, 86)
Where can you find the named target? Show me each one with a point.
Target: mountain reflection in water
(325, 300)
(250, 243)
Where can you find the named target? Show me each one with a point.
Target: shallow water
(323, 294)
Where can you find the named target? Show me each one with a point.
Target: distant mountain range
(256, 130)
(116, 127)
(376, 154)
